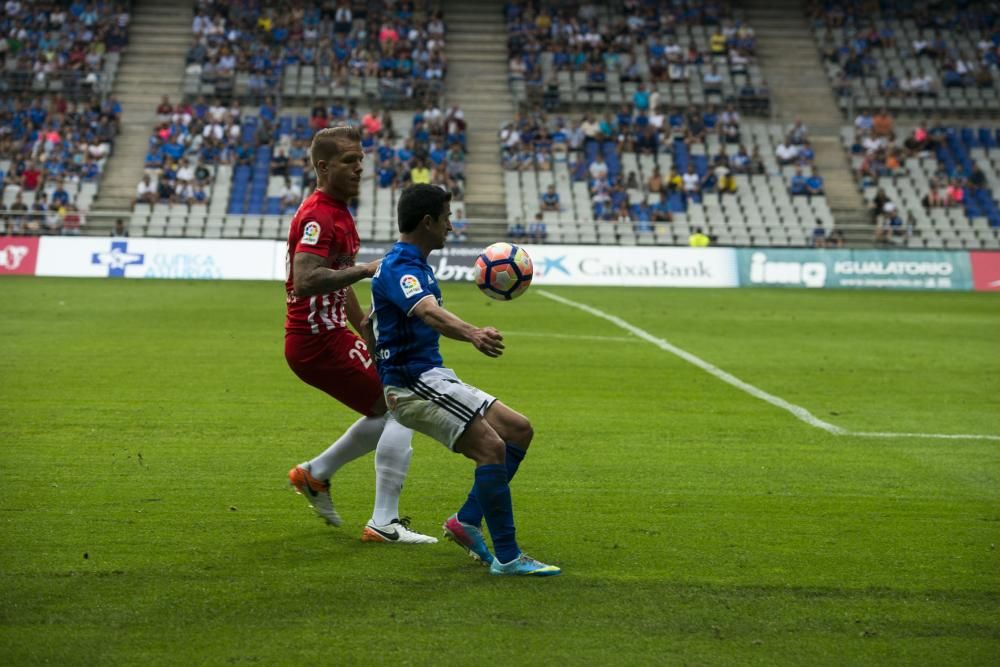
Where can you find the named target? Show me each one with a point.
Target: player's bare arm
(312, 276)
(367, 331)
(486, 339)
(353, 310)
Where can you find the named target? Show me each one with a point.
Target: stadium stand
(347, 50)
(598, 189)
(569, 55)
(52, 156)
(68, 48)
(910, 57)
(217, 171)
(935, 188)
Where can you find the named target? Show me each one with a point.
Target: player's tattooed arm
(313, 277)
(486, 339)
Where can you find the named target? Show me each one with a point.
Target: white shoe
(396, 531)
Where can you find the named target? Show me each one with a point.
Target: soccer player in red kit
(320, 348)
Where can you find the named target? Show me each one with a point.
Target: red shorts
(337, 363)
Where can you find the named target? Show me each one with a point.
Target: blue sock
(493, 493)
(471, 512)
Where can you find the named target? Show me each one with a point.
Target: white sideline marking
(798, 411)
(542, 334)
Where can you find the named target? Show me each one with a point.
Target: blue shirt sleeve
(405, 286)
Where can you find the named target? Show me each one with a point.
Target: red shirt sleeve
(320, 234)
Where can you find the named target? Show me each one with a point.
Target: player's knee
(492, 450)
(523, 433)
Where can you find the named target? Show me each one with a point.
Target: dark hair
(325, 142)
(416, 202)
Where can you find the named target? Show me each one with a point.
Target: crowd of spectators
(883, 154)
(401, 43)
(433, 150)
(49, 145)
(192, 138)
(939, 51)
(533, 141)
(647, 43)
(64, 42)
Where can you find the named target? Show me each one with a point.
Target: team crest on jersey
(410, 285)
(310, 233)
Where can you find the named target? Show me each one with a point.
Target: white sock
(361, 438)
(392, 461)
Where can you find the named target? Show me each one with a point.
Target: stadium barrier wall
(554, 264)
(886, 269)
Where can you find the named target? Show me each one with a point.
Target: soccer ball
(503, 271)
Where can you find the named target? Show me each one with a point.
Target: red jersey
(322, 226)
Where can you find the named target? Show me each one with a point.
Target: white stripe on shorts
(438, 404)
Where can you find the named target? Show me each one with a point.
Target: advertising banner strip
(211, 259)
(886, 269)
(202, 259)
(598, 265)
(18, 255)
(985, 271)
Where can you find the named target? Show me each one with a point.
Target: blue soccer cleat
(469, 538)
(524, 565)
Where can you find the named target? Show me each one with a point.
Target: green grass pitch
(147, 428)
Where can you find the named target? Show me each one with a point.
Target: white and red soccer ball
(503, 271)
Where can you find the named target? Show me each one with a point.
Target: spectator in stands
(740, 163)
(712, 81)
(165, 110)
(692, 184)
(806, 154)
(279, 163)
(883, 125)
(814, 183)
(516, 232)
(550, 199)
(956, 193)
(863, 122)
(71, 219)
(537, 232)
(786, 152)
(291, 194)
(146, 191)
(878, 203)
(119, 230)
(598, 168)
(16, 216)
(889, 220)
(977, 180)
(459, 227)
(655, 183)
(640, 98)
(725, 182)
(819, 235)
(420, 173)
(797, 133)
(797, 185)
(936, 197)
(835, 239)
(31, 177)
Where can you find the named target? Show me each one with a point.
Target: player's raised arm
(312, 276)
(486, 339)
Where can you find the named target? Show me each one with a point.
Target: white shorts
(438, 404)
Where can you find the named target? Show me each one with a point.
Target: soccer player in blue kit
(406, 324)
